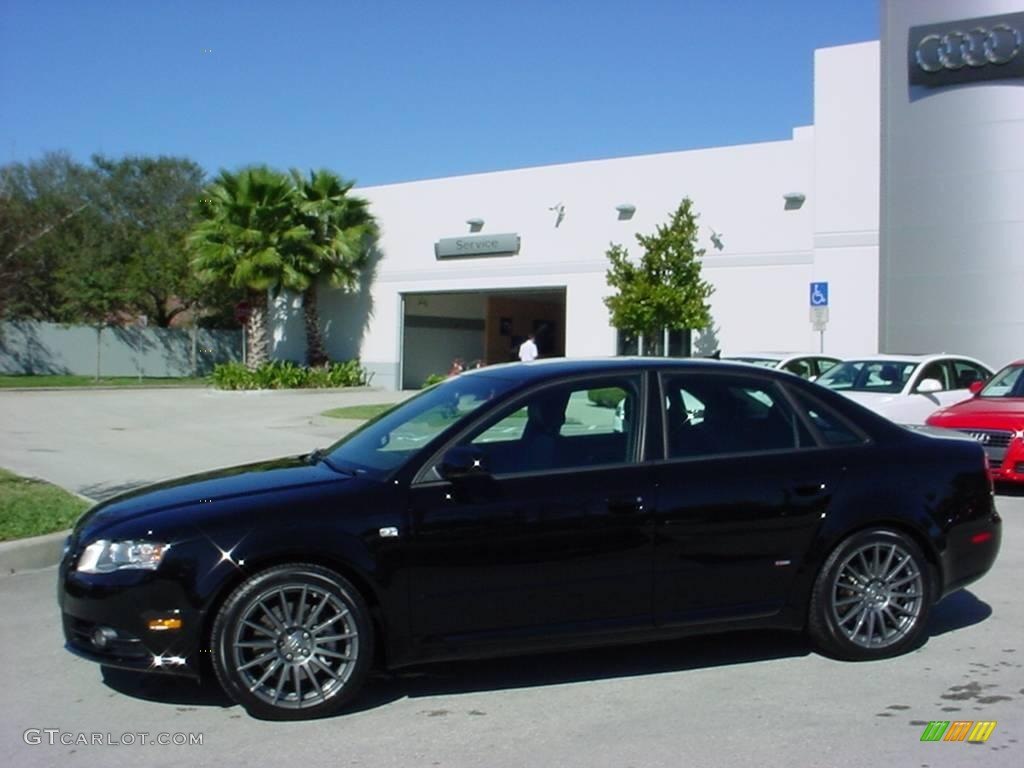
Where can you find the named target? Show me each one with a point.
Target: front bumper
(106, 619)
(1009, 468)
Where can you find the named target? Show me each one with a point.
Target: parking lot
(102, 442)
(750, 699)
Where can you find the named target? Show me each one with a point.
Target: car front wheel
(293, 642)
(872, 597)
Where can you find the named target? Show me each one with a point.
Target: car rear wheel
(872, 597)
(293, 642)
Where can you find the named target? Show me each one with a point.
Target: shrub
(605, 398)
(231, 376)
(432, 379)
(284, 374)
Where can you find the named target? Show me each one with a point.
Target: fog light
(159, 625)
(103, 636)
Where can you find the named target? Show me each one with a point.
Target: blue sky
(385, 91)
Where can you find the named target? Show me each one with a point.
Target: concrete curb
(36, 552)
(31, 554)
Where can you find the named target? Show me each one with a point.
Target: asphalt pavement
(750, 699)
(99, 443)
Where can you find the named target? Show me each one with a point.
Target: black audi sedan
(517, 509)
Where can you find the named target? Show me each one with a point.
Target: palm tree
(341, 226)
(247, 237)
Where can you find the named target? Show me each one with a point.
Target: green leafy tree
(665, 289)
(341, 228)
(247, 237)
(45, 215)
(148, 203)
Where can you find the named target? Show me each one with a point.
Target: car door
(551, 536)
(964, 373)
(741, 494)
(916, 406)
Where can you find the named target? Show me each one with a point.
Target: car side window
(568, 426)
(937, 371)
(966, 373)
(831, 426)
(709, 415)
(825, 364)
(801, 367)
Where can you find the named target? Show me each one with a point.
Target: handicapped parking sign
(819, 294)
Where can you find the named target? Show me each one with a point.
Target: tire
(872, 597)
(293, 642)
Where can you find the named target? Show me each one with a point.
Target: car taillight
(981, 538)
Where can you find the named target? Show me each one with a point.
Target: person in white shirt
(528, 349)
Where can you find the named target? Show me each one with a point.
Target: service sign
(967, 51)
(476, 245)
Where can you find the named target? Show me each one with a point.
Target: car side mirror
(463, 461)
(976, 386)
(929, 387)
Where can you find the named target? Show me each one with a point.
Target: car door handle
(809, 490)
(625, 505)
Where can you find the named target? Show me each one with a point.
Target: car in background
(906, 389)
(500, 512)
(995, 418)
(805, 365)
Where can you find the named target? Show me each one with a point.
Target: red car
(995, 418)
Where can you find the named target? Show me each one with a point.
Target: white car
(906, 389)
(807, 365)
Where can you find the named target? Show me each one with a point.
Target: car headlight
(103, 556)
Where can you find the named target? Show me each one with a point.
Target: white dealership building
(906, 196)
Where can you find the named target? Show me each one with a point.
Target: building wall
(760, 275)
(952, 201)
(846, 189)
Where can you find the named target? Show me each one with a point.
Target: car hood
(982, 412)
(217, 485)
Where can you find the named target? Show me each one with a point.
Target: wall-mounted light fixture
(559, 210)
(626, 211)
(794, 200)
(475, 225)
(716, 240)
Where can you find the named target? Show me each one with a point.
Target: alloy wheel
(877, 596)
(295, 645)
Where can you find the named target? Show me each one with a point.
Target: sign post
(243, 311)
(819, 311)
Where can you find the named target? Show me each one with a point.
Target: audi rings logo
(974, 48)
(989, 48)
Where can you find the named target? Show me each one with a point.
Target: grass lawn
(31, 507)
(360, 412)
(59, 380)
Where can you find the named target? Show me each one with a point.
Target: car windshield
(389, 440)
(884, 376)
(1009, 382)
(764, 362)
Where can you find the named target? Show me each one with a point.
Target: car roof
(894, 358)
(549, 368)
(777, 355)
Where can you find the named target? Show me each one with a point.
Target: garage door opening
(485, 326)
